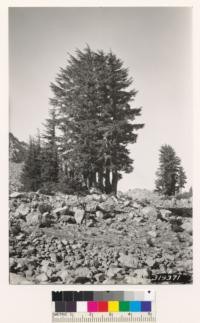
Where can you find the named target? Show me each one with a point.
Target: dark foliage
(171, 177)
(93, 99)
(31, 172)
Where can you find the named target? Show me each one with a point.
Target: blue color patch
(135, 306)
(146, 306)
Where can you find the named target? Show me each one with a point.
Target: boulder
(93, 197)
(16, 195)
(100, 277)
(90, 223)
(128, 260)
(83, 272)
(91, 206)
(136, 205)
(72, 200)
(60, 211)
(53, 257)
(108, 206)
(22, 210)
(151, 241)
(149, 212)
(187, 226)
(113, 271)
(139, 276)
(63, 275)
(45, 266)
(67, 219)
(79, 215)
(99, 214)
(127, 203)
(34, 218)
(12, 263)
(42, 278)
(164, 214)
(44, 207)
(152, 233)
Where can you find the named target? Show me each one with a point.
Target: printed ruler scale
(103, 306)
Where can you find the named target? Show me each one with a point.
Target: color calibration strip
(103, 306)
(98, 301)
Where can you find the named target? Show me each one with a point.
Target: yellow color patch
(113, 306)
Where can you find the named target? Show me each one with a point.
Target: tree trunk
(90, 180)
(107, 182)
(100, 180)
(114, 182)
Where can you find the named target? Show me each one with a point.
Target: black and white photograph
(100, 145)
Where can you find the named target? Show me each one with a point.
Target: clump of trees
(91, 109)
(171, 177)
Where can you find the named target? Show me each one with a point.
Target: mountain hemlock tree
(93, 99)
(50, 159)
(171, 177)
(31, 171)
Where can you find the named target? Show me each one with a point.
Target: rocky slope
(17, 153)
(17, 149)
(97, 239)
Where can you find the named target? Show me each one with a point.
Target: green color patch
(124, 306)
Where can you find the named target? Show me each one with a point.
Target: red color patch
(102, 306)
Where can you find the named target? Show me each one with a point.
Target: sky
(154, 43)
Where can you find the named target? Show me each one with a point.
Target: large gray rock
(63, 275)
(34, 218)
(164, 214)
(113, 271)
(67, 219)
(61, 210)
(99, 214)
(187, 226)
(16, 195)
(83, 272)
(139, 276)
(22, 210)
(128, 260)
(109, 205)
(91, 206)
(149, 212)
(42, 278)
(79, 215)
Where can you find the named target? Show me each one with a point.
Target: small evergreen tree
(50, 159)
(170, 175)
(31, 172)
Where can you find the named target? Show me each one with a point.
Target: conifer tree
(182, 179)
(170, 175)
(31, 172)
(93, 97)
(50, 160)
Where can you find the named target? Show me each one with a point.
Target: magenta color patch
(92, 306)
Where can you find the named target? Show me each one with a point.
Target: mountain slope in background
(17, 153)
(17, 149)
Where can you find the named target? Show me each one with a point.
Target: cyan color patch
(135, 306)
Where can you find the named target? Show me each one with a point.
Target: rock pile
(66, 239)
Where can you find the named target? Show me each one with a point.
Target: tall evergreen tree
(31, 172)
(93, 98)
(170, 175)
(50, 160)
